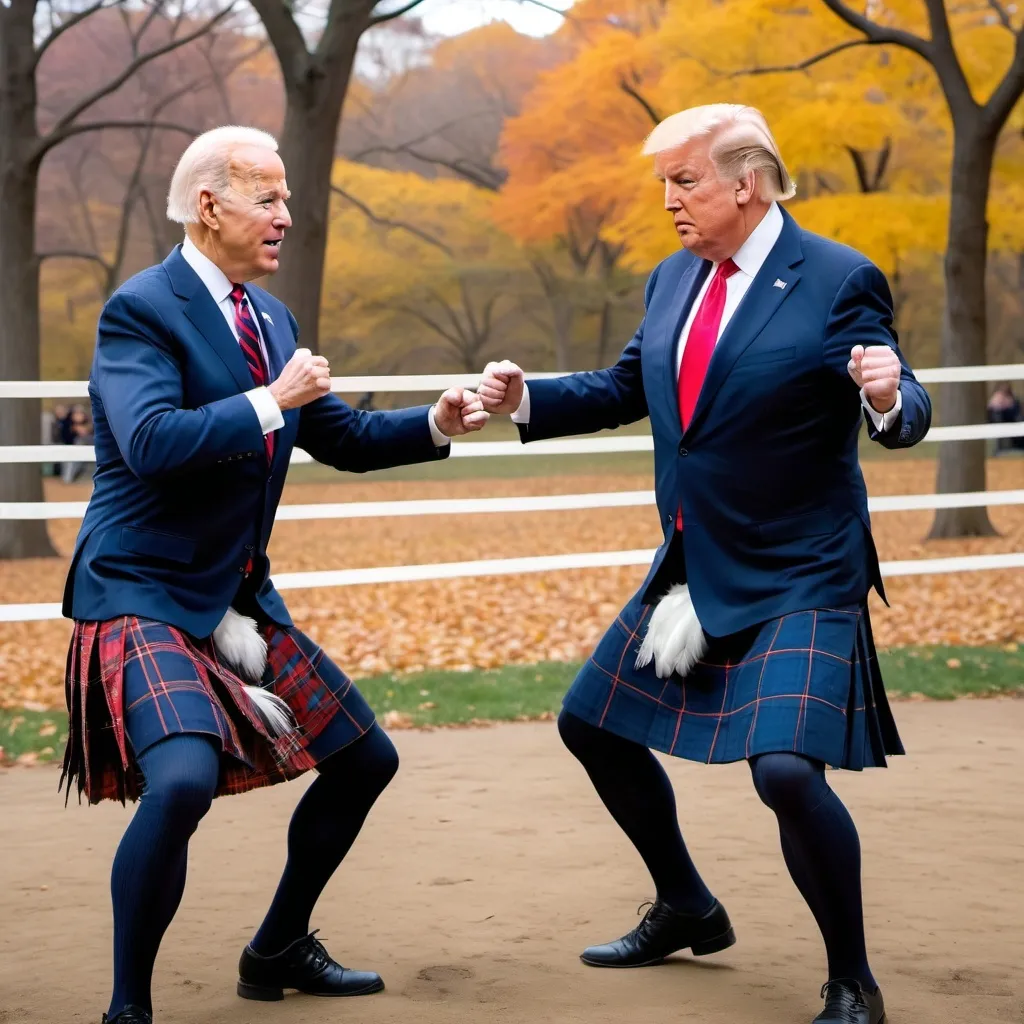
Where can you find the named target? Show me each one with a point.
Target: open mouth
(274, 244)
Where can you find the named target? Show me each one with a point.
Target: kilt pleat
(808, 682)
(131, 682)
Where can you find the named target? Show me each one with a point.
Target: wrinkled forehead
(692, 158)
(254, 169)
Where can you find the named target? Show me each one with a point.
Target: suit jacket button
(241, 569)
(683, 451)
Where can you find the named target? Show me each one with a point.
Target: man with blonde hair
(187, 679)
(761, 349)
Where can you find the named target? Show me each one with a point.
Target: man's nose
(672, 196)
(284, 218)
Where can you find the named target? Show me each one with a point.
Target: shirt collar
(216, 281)
(754, 251)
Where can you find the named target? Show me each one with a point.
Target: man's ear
(209, 210)
(746, 188)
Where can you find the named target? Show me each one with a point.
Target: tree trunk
(315, 98)
(962, 463)
(20, 418)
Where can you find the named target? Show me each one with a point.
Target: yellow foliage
(573, 150)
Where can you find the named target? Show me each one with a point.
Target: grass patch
(534, 691)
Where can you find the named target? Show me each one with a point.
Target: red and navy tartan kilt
(131, 682)
(807, 683)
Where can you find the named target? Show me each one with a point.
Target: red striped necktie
(700, 344)
(249, 341)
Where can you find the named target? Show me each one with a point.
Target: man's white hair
(742, 142)
(204, 166)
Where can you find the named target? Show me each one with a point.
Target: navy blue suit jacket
(774, 505)
(183, 496)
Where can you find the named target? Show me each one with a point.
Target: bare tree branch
(804, 64)
(1002, 101)
(99, 126)
(72, 254)
(62, 129)
(76, 19)
(1003, 15)
(284, 34)
(649, 110)
(379, 19)
(880, 34)
(387, 223)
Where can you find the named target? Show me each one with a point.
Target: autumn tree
(982, 96)
(418, 273)
(30, 32)
(316, 79)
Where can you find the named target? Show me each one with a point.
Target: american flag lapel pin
(266, 316)
(779, 283)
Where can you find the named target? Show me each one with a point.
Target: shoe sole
(271, 994)
(702, 948)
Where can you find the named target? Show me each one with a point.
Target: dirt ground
(489, 864)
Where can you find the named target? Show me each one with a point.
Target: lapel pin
(266, 316)
(779, 283)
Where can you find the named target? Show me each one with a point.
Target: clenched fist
(876, 369)
(459, 411)
(305, 379)
(501, 387)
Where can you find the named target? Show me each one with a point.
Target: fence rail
(436, 381)
(541, 503)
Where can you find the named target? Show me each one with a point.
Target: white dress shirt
(749, 258)
(219, 287)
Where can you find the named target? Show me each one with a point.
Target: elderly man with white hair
(187, 679)
(761, 349)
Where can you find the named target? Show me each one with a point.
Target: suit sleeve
(358, 441)
(862, 315)
(584, 403)
(139, 382)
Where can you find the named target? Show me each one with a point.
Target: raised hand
(876, 369)
(459, 411)
(304, 379)
(501, 387)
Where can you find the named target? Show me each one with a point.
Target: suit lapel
(689, 285)
(774, 283)
(206, 317)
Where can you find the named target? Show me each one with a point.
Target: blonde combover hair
(742, 142)
(204, 166)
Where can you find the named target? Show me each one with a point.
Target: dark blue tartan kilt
(807, 683)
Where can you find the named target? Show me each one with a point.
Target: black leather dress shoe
(846, 1002)
(664, 931)
(305, 966)
(129, 1015)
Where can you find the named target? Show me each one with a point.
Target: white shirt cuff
(440, 439)
(522, 414)
(267, 409)
(883, 421)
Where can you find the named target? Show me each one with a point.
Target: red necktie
(700, 344)
(249, 341)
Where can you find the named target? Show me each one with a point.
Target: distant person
(1004, 407)
(81, 434)
(187, 679)
(366, 402)
(762, 349)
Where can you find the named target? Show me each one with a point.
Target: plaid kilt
(807, 683)
(131, 682)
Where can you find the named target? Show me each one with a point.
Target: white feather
(274, 712)
(675, 640)
(240, 645)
